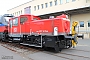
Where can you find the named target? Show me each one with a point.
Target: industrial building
(77, 10)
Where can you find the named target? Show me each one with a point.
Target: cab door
(23, 23)
(14, 27)
(10, 27)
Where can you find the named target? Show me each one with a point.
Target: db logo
(15, 29)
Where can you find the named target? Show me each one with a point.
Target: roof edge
(20, 5)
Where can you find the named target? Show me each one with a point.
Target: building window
(27, 10)
(73, 0)
(38, 7)
(42, 6)
(17, 13)
(88, 23)
(21, 11)
(13, 13)
(55, 2)
(46, 5)
(81, 23)
(34, 8)
(50, 3)
(67, 1)
(61, 1)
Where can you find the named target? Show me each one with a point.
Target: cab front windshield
(15, 21)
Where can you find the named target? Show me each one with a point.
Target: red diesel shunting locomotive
(24, 25)
(33, 31)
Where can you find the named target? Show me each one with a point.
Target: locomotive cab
(18, 26)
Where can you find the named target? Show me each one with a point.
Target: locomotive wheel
(56, 48)
(70, 45)
(3, 38)
(46, 48)
(21, 40)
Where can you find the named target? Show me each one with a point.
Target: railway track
(80, 50)
(69, 56)
(76, 56)
(19, 49)
(25, 50)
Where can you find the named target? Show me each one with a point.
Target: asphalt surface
(70, 54)
(80, 52)
(6, 54)
(83, 44)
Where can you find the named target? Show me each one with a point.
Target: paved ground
(83, 44)
(6, 54)
(81, 52)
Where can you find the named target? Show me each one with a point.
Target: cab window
(10, 23)
(23, 19)
(15, 22)
(35, 18)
